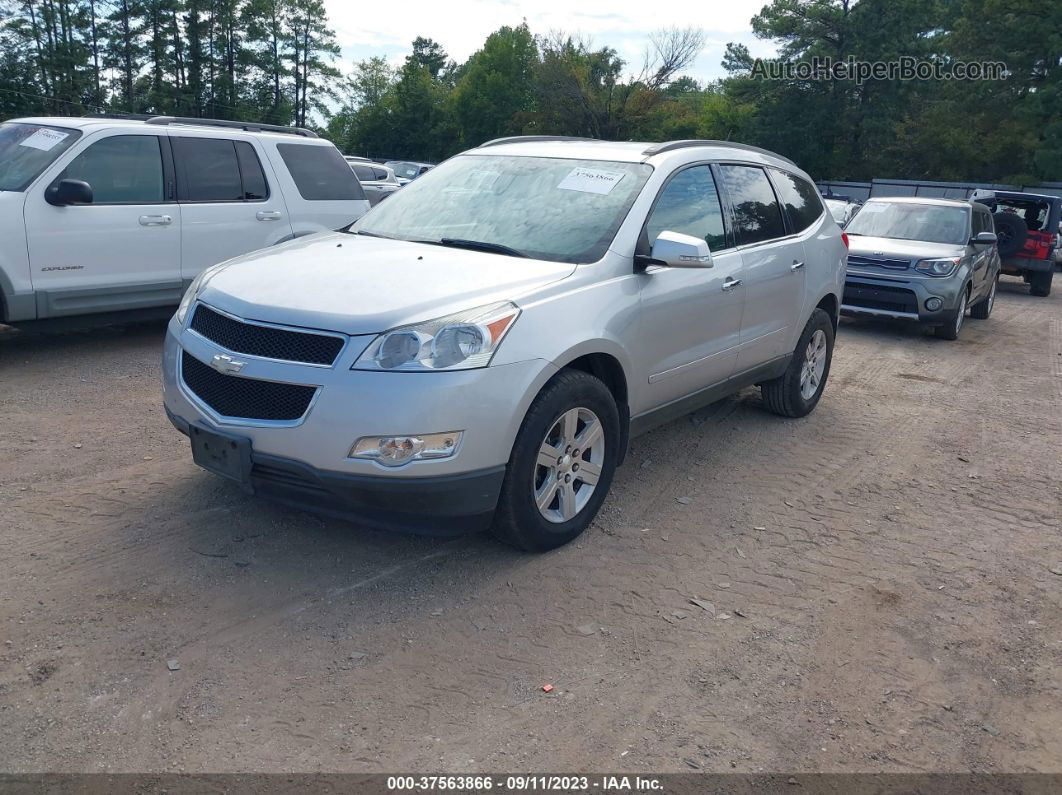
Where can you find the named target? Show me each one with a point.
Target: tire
(951, 328)
(983, 308)
(519, 520)
(791, 395)
(1011, 231)
(1040, 283)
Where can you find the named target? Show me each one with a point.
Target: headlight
(197, 285)
(938, 267)
(456, 342)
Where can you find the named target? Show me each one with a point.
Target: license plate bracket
(221, 453)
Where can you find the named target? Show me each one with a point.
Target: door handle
(796, 266)
(156, 220)
(268, 215)
(730, 284)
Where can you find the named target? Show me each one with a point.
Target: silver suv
(478, 350)
(922, 259)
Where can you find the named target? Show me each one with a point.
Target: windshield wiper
(478, 245)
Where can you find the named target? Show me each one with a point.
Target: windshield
(837, 209)
(903, 221)
(540, 207)
(405, 170)
(27, 149)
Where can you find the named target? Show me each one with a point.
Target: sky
(461, 26)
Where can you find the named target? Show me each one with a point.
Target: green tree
(496, 92)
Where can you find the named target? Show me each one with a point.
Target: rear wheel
(561, 465)
(983, 308)
(950, 330)
(797, 391)
(1040, 283)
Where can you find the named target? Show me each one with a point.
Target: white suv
(117, 215)
(478, 349)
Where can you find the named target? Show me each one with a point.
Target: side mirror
(984, 237)
(69, 191)
(681, 251)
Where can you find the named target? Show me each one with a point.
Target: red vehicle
(1027, 227)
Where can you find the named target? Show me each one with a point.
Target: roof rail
(118, 115)
(513, 139)
(250, 126)
(670, 146)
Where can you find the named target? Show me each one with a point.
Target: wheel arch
(603, 361)
(832, 307)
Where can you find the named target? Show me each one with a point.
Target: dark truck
(1027, 232)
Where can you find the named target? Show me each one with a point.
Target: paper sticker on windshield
(591, 180)
(874, 208)
(44, 139)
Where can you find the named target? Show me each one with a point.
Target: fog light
(394, 451)
(933, 304)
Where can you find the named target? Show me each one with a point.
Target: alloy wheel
(814, 365)
(569, 465)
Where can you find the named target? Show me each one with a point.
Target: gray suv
(922, 259)
(478, 350)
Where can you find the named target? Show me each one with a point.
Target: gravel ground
(874, 585)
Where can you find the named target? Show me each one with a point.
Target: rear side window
(123, 169)
(801, 199)
(379, 173)
(757, 216)
(255, 187)
(689, 204)
(218, 170)
(321, 173)
(209, 170)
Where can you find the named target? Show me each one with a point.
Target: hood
(891, 248)
(365, 285)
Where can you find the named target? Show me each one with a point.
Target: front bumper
(905, 299)
(305, 462)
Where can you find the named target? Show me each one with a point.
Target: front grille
(888, 299)
(271, 343)
(878, 262)
(246, 398)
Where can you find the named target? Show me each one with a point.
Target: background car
(408, 170)
(842, 209)
(922, 259)
(118, 215)
(1026, 224)
(376, 180)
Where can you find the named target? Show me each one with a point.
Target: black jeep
(1027, 232)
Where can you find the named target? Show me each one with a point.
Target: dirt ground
(880, 574)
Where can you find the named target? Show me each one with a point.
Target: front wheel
(561, 465)
(951, 328)
(797, 391)
(982, 309)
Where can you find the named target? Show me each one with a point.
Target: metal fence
(861, 191)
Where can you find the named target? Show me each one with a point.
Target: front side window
(27, 149)
(689, 204)
(801, 199)
(541, 207)
(757, 216)
(931, 223)
(122, 169)
(363, 173)
(321, 173)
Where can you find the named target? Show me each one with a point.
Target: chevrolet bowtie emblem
(226, 364)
